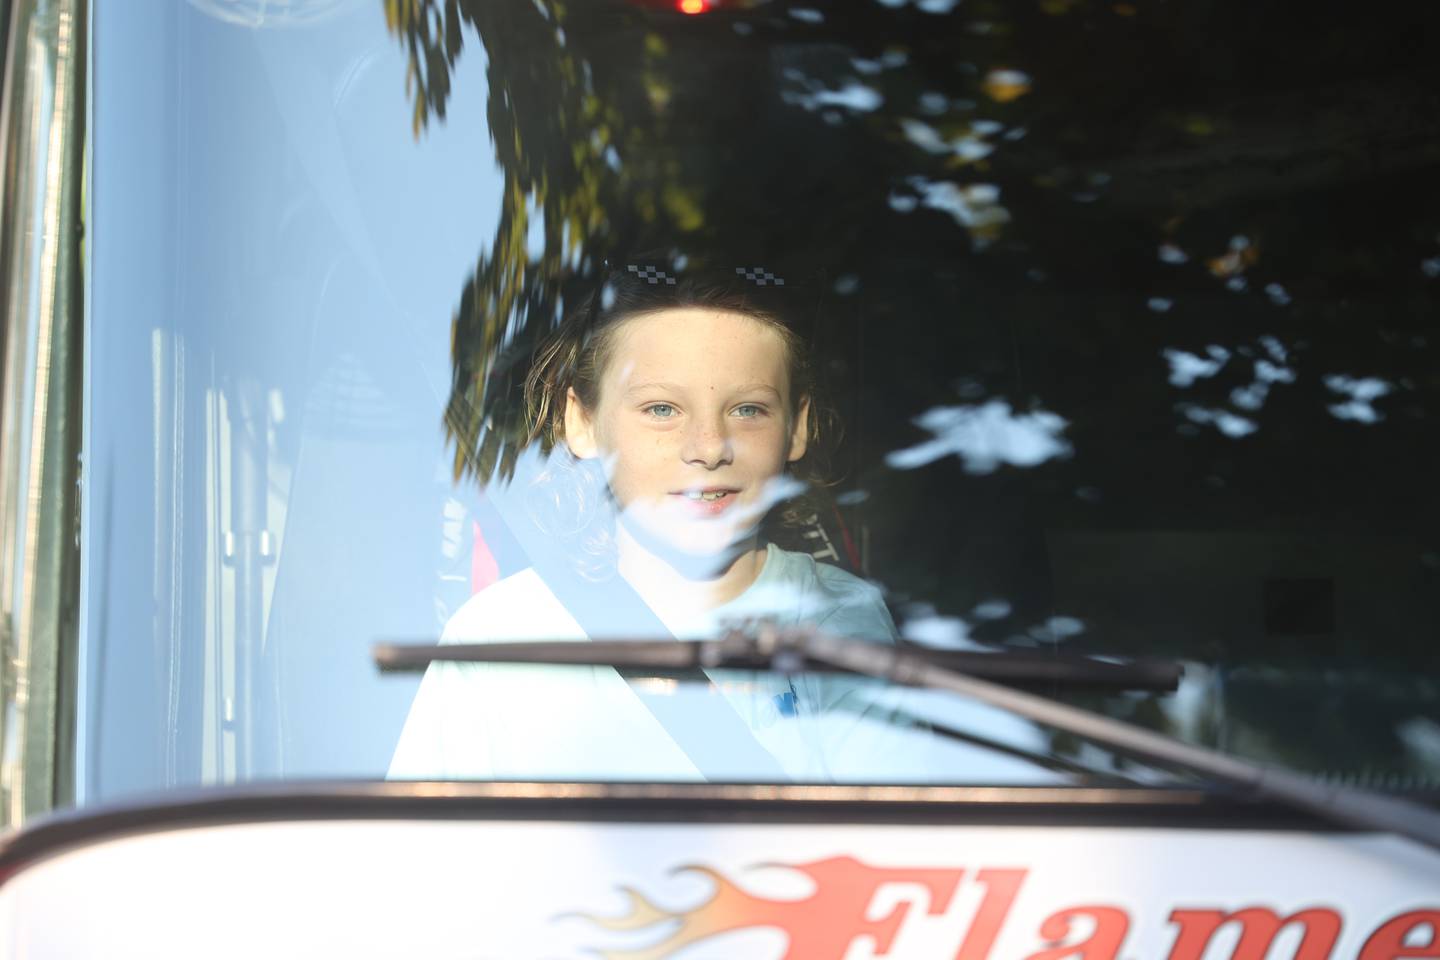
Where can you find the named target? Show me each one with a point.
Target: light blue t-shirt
(523, 722)
(794, 589)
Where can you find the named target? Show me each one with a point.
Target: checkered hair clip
(652, 280)
(760, 276)
(662, 273)
(650, 274)
(653, 275)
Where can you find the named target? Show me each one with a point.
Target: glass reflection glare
(1075, 332)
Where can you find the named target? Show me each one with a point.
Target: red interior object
(483, 568)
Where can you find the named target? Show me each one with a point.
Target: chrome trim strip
(40, 242)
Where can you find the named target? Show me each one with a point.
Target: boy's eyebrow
(648, 385)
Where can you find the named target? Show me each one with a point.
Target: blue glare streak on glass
(262, 213)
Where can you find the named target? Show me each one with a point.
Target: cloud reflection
(1169, 253)
(975, 206)
(1230, 424)
(1273, 368)
(1186, 368)
(946, 633)
(1057, 629)
(1361, 392)
(853, 96)
(984, 437)
(925, 6)
(992, 609)
(968, 146)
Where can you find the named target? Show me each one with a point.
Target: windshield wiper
(801, 649)
(1341, 804)
(740, 651)
(686, 660)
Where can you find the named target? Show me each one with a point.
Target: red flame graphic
(820, 926)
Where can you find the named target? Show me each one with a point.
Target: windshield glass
(1067, 328)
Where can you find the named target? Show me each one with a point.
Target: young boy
(675, 420)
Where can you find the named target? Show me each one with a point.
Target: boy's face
(695, 424)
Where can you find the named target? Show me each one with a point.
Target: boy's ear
(579, 430)
(800, 431)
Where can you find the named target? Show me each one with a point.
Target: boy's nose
(708, 444)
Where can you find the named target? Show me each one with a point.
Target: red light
(692, 6)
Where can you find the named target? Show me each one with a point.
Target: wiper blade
(740, 651)
(798, 649)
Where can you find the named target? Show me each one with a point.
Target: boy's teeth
(714, 495)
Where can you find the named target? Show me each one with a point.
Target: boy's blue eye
(660, 411)
(748, 410)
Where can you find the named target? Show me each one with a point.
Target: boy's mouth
(709, 496)
(708, 500)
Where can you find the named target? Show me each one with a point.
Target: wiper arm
(1340, 804)
(1044, 761)
(740, 651)
(969, 675)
